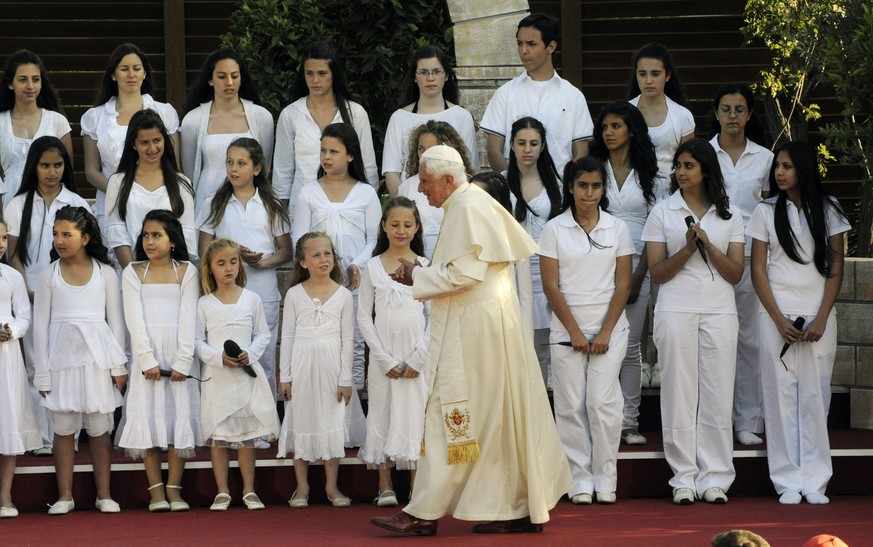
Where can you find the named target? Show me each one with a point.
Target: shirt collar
(605, 221)
(256, 198)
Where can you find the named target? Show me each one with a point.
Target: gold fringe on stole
(467, 452)
(421, 448)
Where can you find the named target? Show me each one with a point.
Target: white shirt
(559, 105)
(798, 288)
(745, 181)
(140, 201)
(693, 289)
(403, 123)
(42, 222)
(667, 136)
(353, 224)
(629, 204)
(298, 148)
(249, 225)
(586, 273)
(13, 150)
(101, 124)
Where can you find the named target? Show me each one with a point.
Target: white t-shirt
(693, 289)
(667, 136)
(249, 225)
(586, 274)
(13, 150)
(101, 124)
(556, 103)
(798, 288)
(747, 180)
(298, 147)
(403, 123)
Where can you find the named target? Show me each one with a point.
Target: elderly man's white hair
(444, 160)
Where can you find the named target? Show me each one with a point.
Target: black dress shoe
(522, 525)
(406, 524)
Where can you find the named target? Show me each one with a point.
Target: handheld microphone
(232, 349)
(168, 373)
(689, 220)
(798, 324)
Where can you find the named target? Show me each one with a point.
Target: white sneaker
(261, 444)
(790, 497)
(606, 497)
(683, 496)
(108, 505)
(816, 499)
(632, 437)
(715, 495)
(655, 381)
(581, 499)
(61, 507)
(748, 438)
(645, 375)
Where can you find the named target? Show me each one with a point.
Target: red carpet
(634, 522)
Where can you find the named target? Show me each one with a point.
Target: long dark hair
(170, 223)
(109, 87)
(754, 130)
(412, 92)
(277, 215)
(382, 243)
(572, 171)
(86, 223)
(202, 92)
(47, 98)
(300, 274)
(814, 201)
(672, 87)
(641, 151)
(322, 51)
(30, 186)
(496, 186)
(713, 180)
(545, 167)
(173, 180)
(346, 135)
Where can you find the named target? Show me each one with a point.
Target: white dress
(13, 150)
(316, 357)
(395, 421)
(18, 428)
(234, 407)
(160, 319)
(78, 336)
(140, 202)
(533, 224)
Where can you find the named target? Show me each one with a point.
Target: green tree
(849, 68)
(375, 39)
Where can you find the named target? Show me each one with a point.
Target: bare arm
(281, 256)
(68, 144)
(93, 167)
(392, 182)
(836, 262)
(494, 148)
(580, 150)
(664, 269)
(765, 292)
(549, 272)
(623, 266)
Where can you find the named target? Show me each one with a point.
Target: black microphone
(689, 220)
(798, 324)
(232, 349)
(168, 373)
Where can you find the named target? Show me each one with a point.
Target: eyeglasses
(435, 73)
(739, 111)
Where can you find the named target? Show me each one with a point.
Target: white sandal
(221, 502)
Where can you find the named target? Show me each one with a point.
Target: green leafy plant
(375, 39)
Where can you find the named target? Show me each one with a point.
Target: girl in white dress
(656, 90)
(431, 93)
(397, 338)
(586, 256)
(18, 428)
(246, 210)
(47, 185)
(148, 178)
(163, 407)
(535, 189)
(125, 90)
(798, 241)
(223, 106)
(29, 109)
(316, 366)
(347, 209)
(235, 407)
(622, 143)
(78, 339)
(424, 136)
(320, 97)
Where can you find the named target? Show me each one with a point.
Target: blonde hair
(207, 280)
(301, 274)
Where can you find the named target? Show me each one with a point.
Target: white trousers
(588, 409)
(697, 353)
(631, 372)
(796, 407)
(748, 414)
